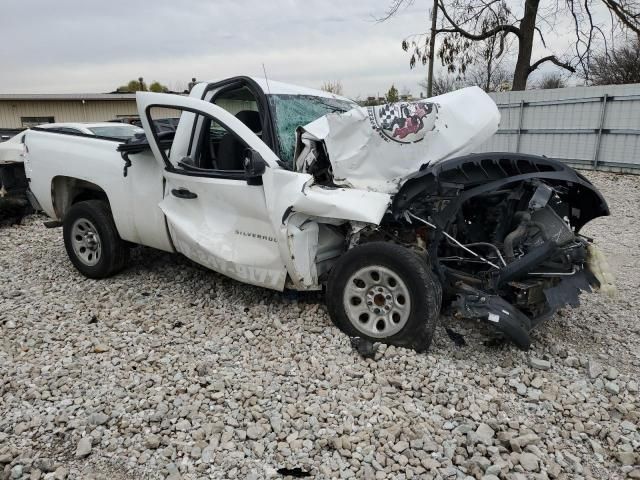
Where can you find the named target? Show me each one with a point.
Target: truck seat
(231, 152)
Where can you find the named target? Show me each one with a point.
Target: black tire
(113, 251)
(422, 287)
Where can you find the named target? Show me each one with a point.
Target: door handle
(183, 193)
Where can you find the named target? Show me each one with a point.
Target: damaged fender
(293, 201)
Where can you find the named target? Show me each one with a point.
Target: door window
(237, 100)
(214, 149)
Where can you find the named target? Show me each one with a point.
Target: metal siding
(550, 119)
(12, 111)
(71, 110)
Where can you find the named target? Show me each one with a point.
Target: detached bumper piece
(509, 320)
(474, 304)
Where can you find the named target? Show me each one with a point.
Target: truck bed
(58, 164)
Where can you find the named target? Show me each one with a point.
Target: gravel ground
(169, 370)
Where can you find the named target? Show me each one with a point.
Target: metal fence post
(519, 126)
(596, 150)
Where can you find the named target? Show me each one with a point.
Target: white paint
(147, 100)
(226, 228)
(302, 241)
(133, 199)
(289, 192)
(366, 155)
(12, 150)
(494, 318)
(259, 234)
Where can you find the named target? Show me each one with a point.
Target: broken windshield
(293, 111)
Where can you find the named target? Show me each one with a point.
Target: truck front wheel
(385, 293)
(92, 240)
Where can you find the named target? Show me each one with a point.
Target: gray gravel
(172, 371)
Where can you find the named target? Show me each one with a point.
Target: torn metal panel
(291, 195)
(302, 239)
(287, 191)
(472, 175)
(567, 292)
(376, 148)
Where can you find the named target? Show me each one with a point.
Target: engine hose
(520, 231)
(517, 234)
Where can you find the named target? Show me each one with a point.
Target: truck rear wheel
(385, 293)
(92, 240)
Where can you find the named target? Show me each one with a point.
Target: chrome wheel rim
(86, 242)
(377, 301)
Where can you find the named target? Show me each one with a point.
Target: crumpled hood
(376, 148)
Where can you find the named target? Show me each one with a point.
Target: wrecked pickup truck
(287, 187)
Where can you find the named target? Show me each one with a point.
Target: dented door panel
(225, 228)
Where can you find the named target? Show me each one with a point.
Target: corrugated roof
(66, 96)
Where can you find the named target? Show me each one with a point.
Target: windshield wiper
(334, 108)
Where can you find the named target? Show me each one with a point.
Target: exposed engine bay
(501, 231)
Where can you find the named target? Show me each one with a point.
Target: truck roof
(273, 87)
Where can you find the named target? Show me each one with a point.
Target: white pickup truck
(287, 187)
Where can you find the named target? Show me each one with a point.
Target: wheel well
(66, 191)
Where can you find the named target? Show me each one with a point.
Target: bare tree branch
(481, 36)
(552, 59)
(544, 44)
(630, 19)
(469, 30)
(393, 9)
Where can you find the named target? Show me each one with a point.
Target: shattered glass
(293, 111)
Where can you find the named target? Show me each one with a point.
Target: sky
(72, 46)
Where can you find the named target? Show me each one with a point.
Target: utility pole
(432, 47)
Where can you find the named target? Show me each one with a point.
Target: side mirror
(254, 167)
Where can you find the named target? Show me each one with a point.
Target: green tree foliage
(139, 85)
(158, 87)
(392, 95)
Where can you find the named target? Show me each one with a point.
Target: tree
(334, 87)
(158, 87)
(463, 23)
(392, 95)
(500, 81)
(442, 84)
(133, 86)
(139, 85)
(496, 78)
(620, 66)
(551, 80)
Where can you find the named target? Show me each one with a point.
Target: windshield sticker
(403, 122)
